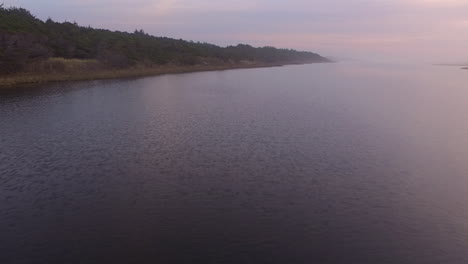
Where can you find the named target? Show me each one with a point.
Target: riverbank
(101, 74)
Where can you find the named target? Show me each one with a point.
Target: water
(324, 163)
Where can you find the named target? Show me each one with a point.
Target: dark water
(327, 163)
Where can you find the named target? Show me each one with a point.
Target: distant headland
(35, 51)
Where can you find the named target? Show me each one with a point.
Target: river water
(322, 163)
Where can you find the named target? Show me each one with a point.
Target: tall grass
(61, 65)
(60, 69)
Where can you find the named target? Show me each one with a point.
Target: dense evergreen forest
(25, 40)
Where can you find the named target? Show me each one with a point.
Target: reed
(60, 69)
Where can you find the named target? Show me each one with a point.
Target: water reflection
(332, 163)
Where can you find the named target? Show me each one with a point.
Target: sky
(434, 31)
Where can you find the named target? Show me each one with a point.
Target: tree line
(25, 39)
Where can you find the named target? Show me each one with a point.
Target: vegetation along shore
(36, 51)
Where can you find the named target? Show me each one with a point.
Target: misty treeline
(25, 40)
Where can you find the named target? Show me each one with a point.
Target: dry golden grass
(59, 69)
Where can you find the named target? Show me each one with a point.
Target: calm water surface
(325, 163)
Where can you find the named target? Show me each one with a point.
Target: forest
(30, 44)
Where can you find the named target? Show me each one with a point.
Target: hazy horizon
(431, 31)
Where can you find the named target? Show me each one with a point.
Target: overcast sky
(417, 30)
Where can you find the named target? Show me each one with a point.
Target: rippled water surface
(324, 163)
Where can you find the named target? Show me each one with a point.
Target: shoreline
(10, 82)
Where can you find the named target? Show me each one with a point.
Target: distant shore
(11, 81)
(463, 66)
(34, 51)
